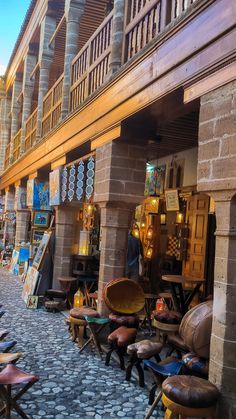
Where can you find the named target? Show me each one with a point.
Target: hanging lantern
(179, 217)
(135, 231)
(149, 251)
(143, 222)
(150, 232)
(163, 218)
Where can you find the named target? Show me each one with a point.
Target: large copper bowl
(124, 296)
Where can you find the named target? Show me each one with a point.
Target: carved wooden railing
(179, 6)
(30, 130)
(7, 156)
(146, 18)
(91, 65)
(52, 107)
(16, 146)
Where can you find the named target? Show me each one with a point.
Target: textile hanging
(77, 181)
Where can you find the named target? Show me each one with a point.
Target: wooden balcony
(7, 157)
(16, 146)
(30, 130)
(91, 65)
(52, 107)
(143, 21)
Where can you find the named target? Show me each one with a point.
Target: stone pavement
(71, 385)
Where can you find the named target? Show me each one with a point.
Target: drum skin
(124, 296)
(195, 329)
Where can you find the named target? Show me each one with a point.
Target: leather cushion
(129, 321)
(13, 375)
(190, 391)
(169, 317)
(79, 313)
(196, 364)
(176, 341)
(122, 336)
(195, 329)
(145, 349)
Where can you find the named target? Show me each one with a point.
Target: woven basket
(124, 296)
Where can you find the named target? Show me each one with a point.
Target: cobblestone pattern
(71, 385)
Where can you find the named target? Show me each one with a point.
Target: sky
(12, 13)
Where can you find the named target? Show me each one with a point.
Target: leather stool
(56, 299)
(189, 396)
(126, 320)
(78, 323)
(198, 366)
(6, 346)
(166, 321)
(9, 376)
(119, 340)
(138, 351)
(3, 333)
(9, 358)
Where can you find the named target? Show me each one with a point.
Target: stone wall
(217, 176)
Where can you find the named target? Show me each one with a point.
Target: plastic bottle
(78, 299)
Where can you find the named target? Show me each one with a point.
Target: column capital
(74, 9)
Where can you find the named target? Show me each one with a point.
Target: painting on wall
(38, 194)
(150, 183)
(41, 219)
(30, 283)
(54, 187)
(160, 179)
(172, 200)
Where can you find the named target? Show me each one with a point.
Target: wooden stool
(166, 322)
(9, 376)
(78, 323)
(9, 358)
(6, 346)
(66, 283)
(187, 396)
(95, 326)
(119, 340)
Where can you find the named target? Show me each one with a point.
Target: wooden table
(66, 283)
(182, 298)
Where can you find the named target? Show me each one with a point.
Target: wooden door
(197, 219)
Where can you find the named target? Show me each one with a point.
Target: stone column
(117, 36)
(74, 10)
(64, 239)
(15, 110)
(119, 187)
(46, 54)
(5, 106)
(28, 88)
(217, 177)
(9, 228)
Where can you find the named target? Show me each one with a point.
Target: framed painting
(172, 200)
(30, 283)
(41, 249)
(54, 187)
(41, 219)
(36, 235)
(32, 301)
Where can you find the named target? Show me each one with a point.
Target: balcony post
(74, 10)
(46, 54)
(5, 106)
(117, 35)
(27, 88)
(15, 111)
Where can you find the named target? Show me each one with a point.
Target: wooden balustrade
(91, 65)
(16, 146)
(52, 107)
(179, 6)
(30, 130)
(7, 157)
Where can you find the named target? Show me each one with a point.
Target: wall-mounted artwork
(54, 187)
(160, 179)
(41, 219)
(41, 250)
(77, 181)
(155, 180)
(30, 283)
(38, 194)
(172, 200)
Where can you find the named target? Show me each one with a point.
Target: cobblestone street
(71, 385)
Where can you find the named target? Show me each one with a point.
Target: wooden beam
(34, 70)
(209, 83)
(57, 163)
(57, 30)
(110, 135)
(33, 175)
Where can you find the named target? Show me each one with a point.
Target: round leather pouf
(190, 391)
(195, 329)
